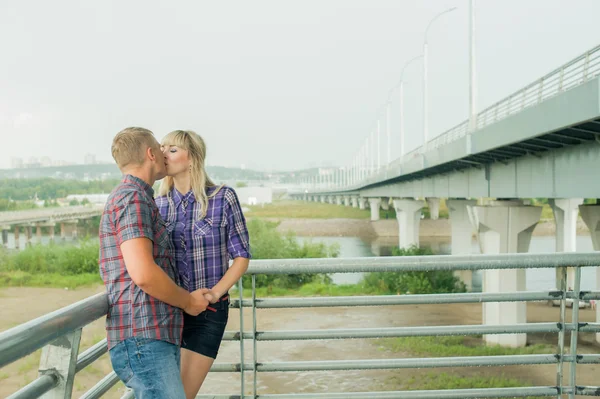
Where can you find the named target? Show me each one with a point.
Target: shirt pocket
(208, 227)
(203, 227)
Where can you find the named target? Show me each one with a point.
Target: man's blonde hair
(130, 144)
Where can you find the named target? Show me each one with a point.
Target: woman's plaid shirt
(131, 212)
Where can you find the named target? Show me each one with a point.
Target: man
(144, 320)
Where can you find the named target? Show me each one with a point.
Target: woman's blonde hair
(199, 180)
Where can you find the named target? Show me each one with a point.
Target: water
(536, 280)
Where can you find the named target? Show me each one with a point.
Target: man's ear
(150, 154)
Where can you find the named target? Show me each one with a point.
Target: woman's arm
(232, 276)
(238, 246)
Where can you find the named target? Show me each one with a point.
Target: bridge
(541, 141)
(43, 218)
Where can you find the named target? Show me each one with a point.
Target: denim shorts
(203, 333)
(149, 367)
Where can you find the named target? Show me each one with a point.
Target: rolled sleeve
(133, 218)
(238, 240)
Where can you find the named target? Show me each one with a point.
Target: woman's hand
(211, 296)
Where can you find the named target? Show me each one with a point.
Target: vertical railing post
(586, 66)
(561, 333)
(60, 358)
(242, 385)
(523, 99)
(575, 333)
(254, 354)
(541, 90)
(560, 80)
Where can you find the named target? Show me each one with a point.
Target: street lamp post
(425, 95)
(400, 86)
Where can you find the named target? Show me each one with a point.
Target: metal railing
(58, 333)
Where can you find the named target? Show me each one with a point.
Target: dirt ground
(22, 304)
(388, 227)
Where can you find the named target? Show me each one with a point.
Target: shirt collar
(178, 197)
(140, 183)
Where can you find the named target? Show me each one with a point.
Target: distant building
(16, 163)
(96, 199)
(255, 195)
(90, 159)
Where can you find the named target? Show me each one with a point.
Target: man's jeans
(148, 366)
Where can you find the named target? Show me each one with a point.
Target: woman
(208, 228)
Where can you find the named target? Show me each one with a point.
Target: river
(537, 279)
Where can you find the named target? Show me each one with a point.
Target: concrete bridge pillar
(434, 208)
(339, 199)
(462, 234)
(51, 231)
(385, 203)
(505, 227)
(347, 200)
(38, 233)
(362, 203)
(74, 228)
(354, 202)
(17, 244)
(28, 235)
(565, 212)
(591, 216)
(408, 214)
(374, 203)
(5, 236)
(63, 232)
(323, 199)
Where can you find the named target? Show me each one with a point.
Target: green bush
(428, 282)
(60, 259)
(267, 243)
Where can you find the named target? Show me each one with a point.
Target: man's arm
(146, 274)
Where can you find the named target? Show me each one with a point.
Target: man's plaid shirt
(131, 212)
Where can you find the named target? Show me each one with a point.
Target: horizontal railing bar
(345, 333)
(101, 387)
(379, 364)
(37, 388)
(91, 354)
(382, 300)
(519, 392)
(587, 391)
(585, 359)
(589, 327)
(424, 263)
(367, 364)
(33, 335)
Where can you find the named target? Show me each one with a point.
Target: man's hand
(211, 296)
(197, 303)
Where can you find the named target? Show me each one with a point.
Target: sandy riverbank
(388, 227)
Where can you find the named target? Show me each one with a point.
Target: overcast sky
(275, 84)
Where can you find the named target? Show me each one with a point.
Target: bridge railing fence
(568, 76)
(58, 333)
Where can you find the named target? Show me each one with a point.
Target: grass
(456, 346)
(307, 290)
(307, 210)
(435, 381)
(19, 278)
